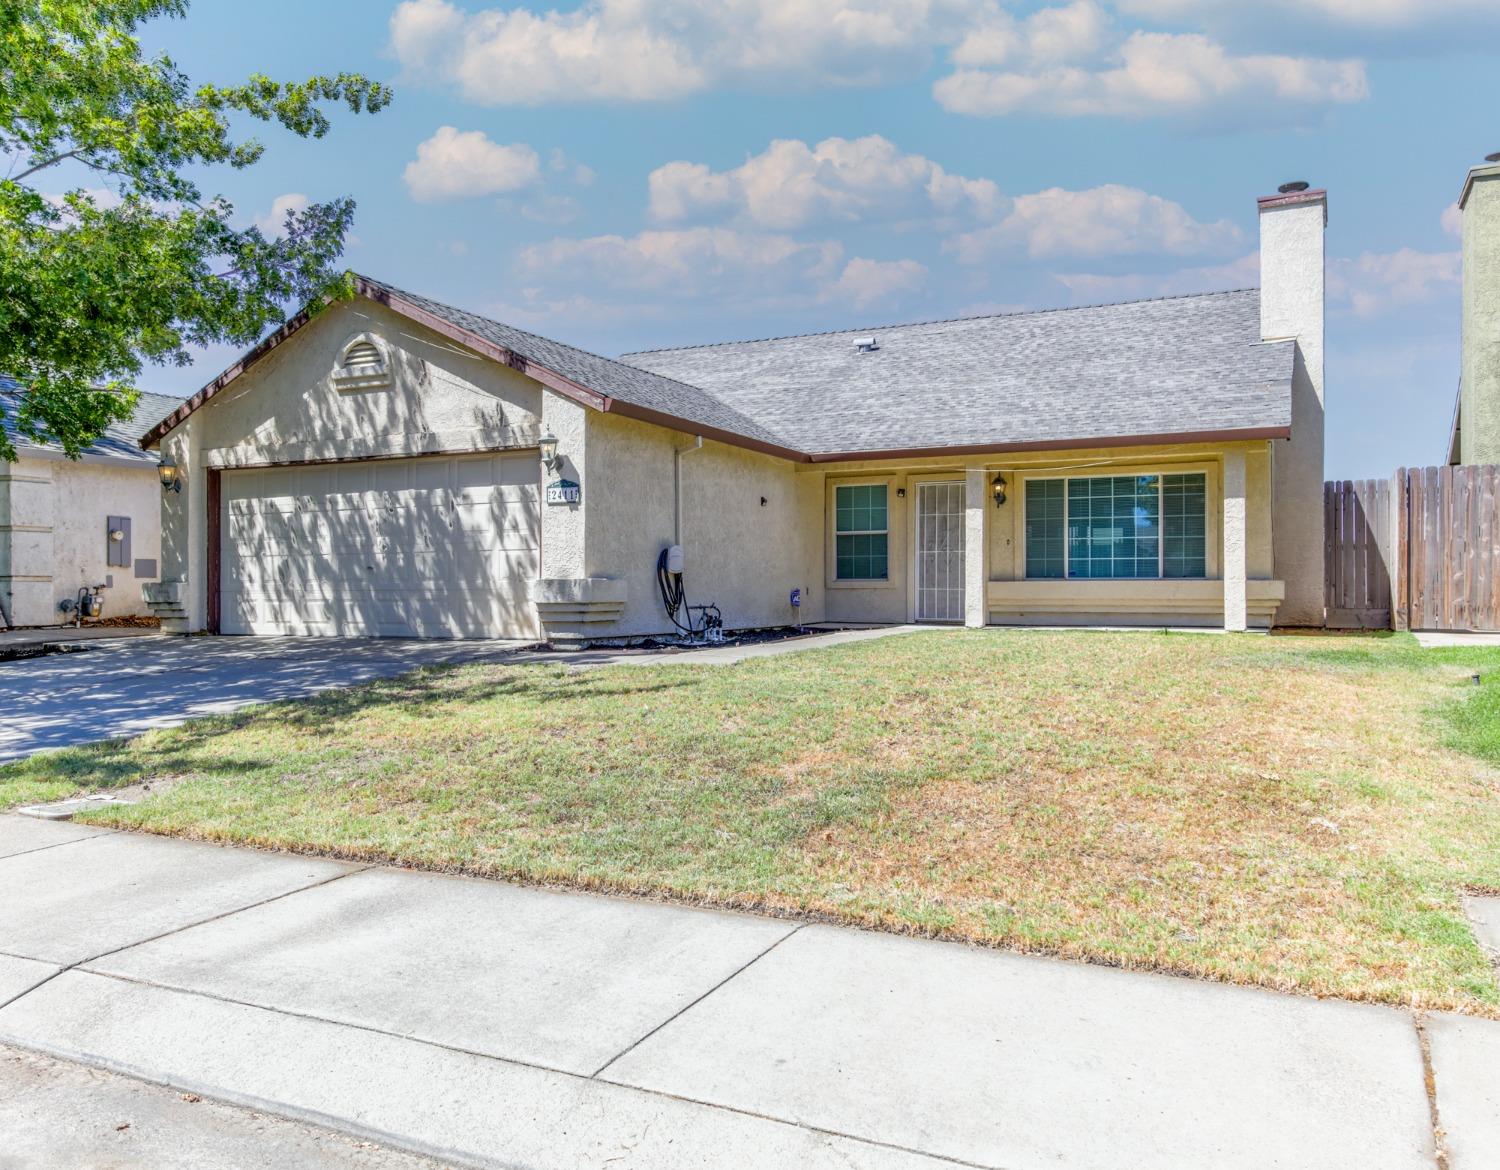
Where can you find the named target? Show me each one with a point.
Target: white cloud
(1453, 220)
(553, 209)
(273, 222)
(866, 282)
(1377, 282)
(687, 265)
(1360, 14)
(1148, 73)
(792, 184)
(631, 50)
(1103, 221)
(1050, 36)
(455, 164)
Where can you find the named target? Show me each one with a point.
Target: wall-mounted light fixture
(997, 489)
(170, 475)
(550, 458)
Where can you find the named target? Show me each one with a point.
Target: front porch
(1165, 537)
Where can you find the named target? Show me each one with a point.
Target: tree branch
(42, 166)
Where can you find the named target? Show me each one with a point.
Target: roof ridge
(937, 321)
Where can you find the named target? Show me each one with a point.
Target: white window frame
(1209, 535)
(834, 580)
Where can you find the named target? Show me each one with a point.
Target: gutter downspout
(677, 485)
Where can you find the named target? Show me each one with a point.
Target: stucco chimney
(1292, 227)
(1479, 393)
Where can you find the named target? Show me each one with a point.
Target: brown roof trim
(604, 403)
(1247, 433)
(549, 378)
(672, 422)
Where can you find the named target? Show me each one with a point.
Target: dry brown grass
(1273, 811)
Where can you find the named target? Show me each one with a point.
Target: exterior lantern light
(548, 445)
(171, 478)
(997, 488)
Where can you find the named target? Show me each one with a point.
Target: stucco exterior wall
(742, 555)
(1292, 266)
(1479, 436)
(288, 408)
(54, 536)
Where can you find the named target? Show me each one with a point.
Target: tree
(140, 267)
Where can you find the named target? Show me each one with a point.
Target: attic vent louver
(866, 344)
(363, 364)
(362, 357)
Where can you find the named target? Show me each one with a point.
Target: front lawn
(1301, 813)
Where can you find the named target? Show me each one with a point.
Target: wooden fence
(1419, 551)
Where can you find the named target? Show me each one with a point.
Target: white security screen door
(940, 552)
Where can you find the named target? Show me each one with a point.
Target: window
(1117, 526)
(860, 532)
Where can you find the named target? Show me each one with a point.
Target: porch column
(976, 547)
(1233, 568)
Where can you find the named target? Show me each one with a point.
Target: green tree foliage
(137, 266)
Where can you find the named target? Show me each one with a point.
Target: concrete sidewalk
(487, 1024)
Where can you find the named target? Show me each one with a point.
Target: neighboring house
(1475, 434)
(57, 516)
(373, 468)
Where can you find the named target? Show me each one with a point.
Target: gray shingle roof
(1160, 367)
(120, 440)
(628, 383)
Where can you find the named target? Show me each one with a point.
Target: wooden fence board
(1420, 551)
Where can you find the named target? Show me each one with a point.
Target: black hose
(673, 595)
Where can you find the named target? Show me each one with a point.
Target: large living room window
(861, 532)
(1117, 526)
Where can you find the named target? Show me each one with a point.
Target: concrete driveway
(122, 687)
(487, 1024)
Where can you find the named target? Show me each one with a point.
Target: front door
(940, 552)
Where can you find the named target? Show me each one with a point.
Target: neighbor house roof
(1137, 371)
(121, 440)
(1172, 370)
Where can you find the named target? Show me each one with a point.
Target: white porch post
(976, 563)
(1235, 617)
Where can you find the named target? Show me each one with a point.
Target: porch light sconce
(548, 445)
(171, 477)
(901, 493)
(997, 489)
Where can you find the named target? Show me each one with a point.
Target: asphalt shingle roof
(120, 439)
(1160, 367)
(616, 379)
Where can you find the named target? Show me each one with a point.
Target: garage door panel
(428, 547)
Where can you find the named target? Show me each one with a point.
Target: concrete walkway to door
(487, 1024)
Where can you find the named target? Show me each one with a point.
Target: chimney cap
(1295, 186)
(1492, 157)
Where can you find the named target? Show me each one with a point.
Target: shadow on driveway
(123, 688)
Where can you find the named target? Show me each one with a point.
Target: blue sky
(625, 174)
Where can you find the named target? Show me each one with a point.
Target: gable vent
(362, 357)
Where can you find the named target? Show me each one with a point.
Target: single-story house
(67, 525)
(377, 467)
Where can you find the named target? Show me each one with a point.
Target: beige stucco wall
(741, 555)
(1084, 602)
(288, 408)
(53, 534)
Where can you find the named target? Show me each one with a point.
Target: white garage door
(431, 547)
